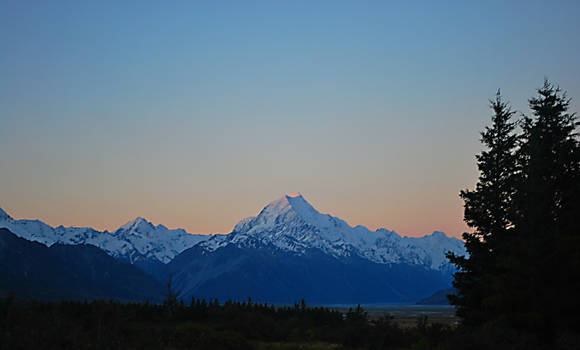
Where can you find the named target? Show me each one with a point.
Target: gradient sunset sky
(197, 114)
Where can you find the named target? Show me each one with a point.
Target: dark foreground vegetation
(211, 325)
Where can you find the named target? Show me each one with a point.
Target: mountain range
(138, 242)
(287, 252)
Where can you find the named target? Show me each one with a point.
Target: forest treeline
(519, 287)
(202, 324)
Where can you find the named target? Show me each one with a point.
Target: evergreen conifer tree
(522, 274)
(487, 210)
(544, 266)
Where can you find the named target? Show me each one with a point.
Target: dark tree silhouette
(522, 274)
(172, 300)
(544, 253)
(487, 210)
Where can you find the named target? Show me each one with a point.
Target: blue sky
(196, 114)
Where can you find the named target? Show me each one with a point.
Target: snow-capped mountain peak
(294, 202)
(292, 224)
(293, 210)
(138, 222)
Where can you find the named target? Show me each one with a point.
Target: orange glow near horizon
(214, 216)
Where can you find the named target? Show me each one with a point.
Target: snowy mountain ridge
(136, 239)
(291, 224)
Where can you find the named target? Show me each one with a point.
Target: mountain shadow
(272, 275)
(30, 270)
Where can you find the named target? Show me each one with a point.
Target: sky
(197, 114)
